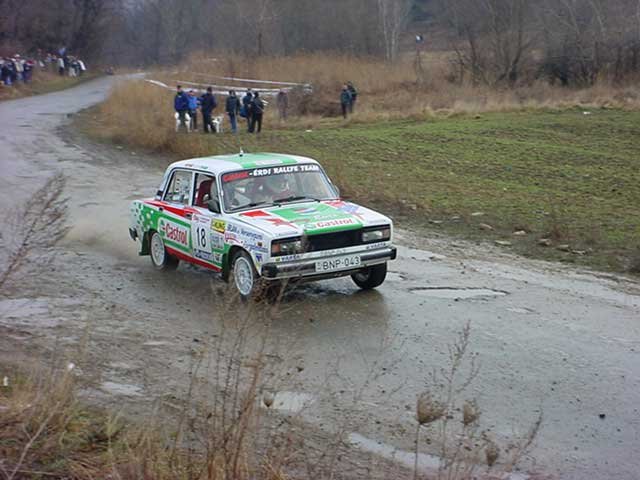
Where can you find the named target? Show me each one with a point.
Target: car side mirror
(213, 205)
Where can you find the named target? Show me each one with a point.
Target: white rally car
(260, 218)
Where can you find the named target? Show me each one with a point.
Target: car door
(207, 227)
(175, 212)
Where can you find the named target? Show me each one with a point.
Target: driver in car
(271, 188)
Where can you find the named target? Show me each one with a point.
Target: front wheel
(370, 277)
(160, 258)
(244, 275)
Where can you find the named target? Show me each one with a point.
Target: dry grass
(141, 114)
(393, 91)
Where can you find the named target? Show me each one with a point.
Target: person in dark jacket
(354, 96)
(181, 105)
(6, 72)
(345, 100)
(232, 108)
(247, 103)
(257, 109)
(208, 104)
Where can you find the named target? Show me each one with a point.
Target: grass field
(568, 175)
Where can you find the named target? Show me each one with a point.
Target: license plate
(338, 263)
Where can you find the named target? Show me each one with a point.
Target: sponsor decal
(259, 258)
(333, 223)
(230, 237)
(349, 208)
(202, 255)
(306, 211)
(263, 172)
(217, 241)
(217, 258)
(267, 217)
(373, 246)
(255, 248)
(218, 225)
(250, 235)
(230, 177)
(288, 258)
(173, 232)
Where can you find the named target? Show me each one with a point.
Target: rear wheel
(370, 277)
(160, 258)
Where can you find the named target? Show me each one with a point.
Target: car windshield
(268, 186)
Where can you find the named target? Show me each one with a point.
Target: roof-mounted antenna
(241, 152)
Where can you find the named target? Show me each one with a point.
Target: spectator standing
(247, 103)
(232, 107)
(207, 105)
(82, 66)
(19, 68)
(28, 70)
(257, 110)
(61, 66)
(354, 96)
(6, 72)
(282, 100)
(193, 109)
(181, 105)
(345, 101)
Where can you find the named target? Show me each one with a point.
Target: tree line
(495, 42)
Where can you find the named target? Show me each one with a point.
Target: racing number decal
(201, 237)
(200, 229)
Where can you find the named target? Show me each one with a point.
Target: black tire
(160, 258)
(243, 275)
(370, 277)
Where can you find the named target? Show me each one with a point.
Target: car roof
(228, 163)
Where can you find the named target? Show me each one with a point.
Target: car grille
(330, 241)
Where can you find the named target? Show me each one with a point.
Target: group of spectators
(16, 69)
(250, 107)
(65, 64)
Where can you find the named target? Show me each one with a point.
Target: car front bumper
(306, 269)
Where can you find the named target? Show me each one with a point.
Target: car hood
(311, 218)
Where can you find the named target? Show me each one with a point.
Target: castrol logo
(174, 232)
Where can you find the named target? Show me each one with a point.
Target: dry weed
(33, 231)
(463, 448)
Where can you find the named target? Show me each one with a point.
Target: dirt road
(548, 338)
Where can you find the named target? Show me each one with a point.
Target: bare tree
(393, 16)
(491, 37)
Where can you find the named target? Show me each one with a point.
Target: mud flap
(144, 244)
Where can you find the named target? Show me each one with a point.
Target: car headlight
(287, 246)
(376, 234)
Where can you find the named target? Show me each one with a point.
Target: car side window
(206, 189)
(179, 190)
